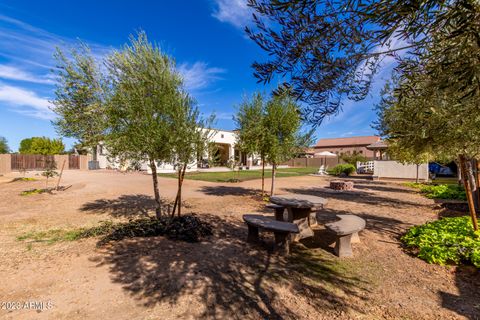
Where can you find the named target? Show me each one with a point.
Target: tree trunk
(468, 191)
(94, 153)
(178, 199)
(477, 179)
(263, 177)
(416, 178)
(158, 205)
(273, 179)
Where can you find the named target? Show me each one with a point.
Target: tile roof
(351, 141)
(378, 145)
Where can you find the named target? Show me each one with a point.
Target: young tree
(190, 136)
(326, 51)
(50, 171)
(4, 145)
(79, 97)
(41, 145)
(145, 93)
(282, 123)
(251, 134)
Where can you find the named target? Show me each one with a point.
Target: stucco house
(225, 149)
(347, 145)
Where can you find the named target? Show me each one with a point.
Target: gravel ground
(222, 277)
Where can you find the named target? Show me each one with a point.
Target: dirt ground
(222, 277)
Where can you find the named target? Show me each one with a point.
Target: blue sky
(206, 38)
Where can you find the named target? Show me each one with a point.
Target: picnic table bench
(280, 229)
(300, 210)
(346, 230)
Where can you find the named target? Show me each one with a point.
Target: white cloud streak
(14, 73)
(26, 102)
(235, 12)
(199, 75)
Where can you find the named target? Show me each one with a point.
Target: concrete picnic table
(299, 208)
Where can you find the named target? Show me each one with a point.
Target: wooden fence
(20, 162)
(30, 161)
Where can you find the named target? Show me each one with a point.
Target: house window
(100, 150)
(222, 136)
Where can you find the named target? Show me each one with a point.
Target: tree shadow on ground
(357, 197)
(228, 191)
(381, 187)
(228, 278)
(127, 205)
(467, 302)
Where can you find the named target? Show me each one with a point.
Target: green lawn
(242, 175)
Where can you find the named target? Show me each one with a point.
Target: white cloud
(13, 73)
(26, 102)
(235, 12)
(199, 75)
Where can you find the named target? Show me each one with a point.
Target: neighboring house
(224, 141)
(347, 145)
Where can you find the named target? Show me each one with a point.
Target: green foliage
(41, 145)
(326, 51)
(353, 158)
(440, 191)
(186, 228)
(33, 191)
(49, 171)
(448, 240)
(140, 124)
(4, 145)
(24, 179)
(249, 120)
(79, 96)
(346, 169)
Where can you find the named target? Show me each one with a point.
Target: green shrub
(441, 191)
(347, 169)
(448, 240)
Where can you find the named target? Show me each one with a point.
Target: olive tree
(282, 124)
(190, 137)
(251, 133)
(145, 91)
(79, 97)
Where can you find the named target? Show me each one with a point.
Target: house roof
(381, 144)
(351, 141)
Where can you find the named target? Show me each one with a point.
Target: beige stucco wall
(59, 159)
(394, 169)
(84, 161)
(5, 163)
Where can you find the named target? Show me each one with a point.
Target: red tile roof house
(347, 145)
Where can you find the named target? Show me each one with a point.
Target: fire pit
(341, 185)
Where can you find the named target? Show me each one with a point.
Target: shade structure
(325, 154)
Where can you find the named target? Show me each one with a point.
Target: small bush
(441, 191)
(448, 240)
(346, 169)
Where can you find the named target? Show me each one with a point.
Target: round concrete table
(299, 208)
